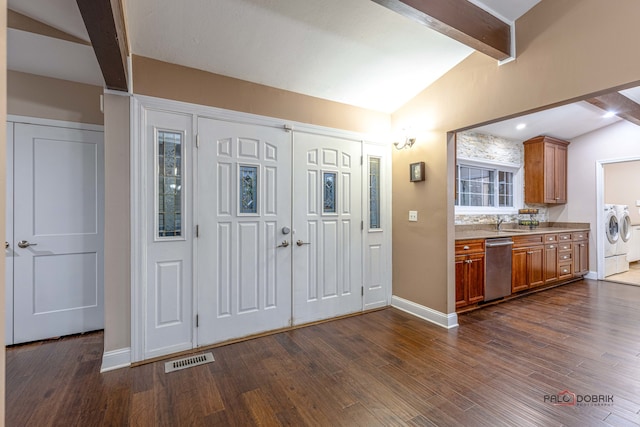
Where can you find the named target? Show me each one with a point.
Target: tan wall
(3, 194)
(117, 239)
(561, 57)
(47, 98)
(170, 81)
(622, 185)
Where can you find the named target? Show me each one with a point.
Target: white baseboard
(591, 275)
(116, 359)
(444, 320)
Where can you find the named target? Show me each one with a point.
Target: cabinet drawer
(548, 238)
(564, 271)
(523, 241)
(565, 246)
(563, 237)
(564, 257)
(580, 235)
(469, 246)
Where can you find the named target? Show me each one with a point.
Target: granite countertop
(488, 231)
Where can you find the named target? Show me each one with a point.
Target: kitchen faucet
(499, 223)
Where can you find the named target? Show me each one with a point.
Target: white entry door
(327, 260)
(244, 220)
(58, 232)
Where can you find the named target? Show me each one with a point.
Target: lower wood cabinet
(537, 260)
(527, 267)
(551, 270)
(581, 257)
(469, 272)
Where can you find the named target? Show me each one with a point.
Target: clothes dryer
(611, 236)
(624, 231)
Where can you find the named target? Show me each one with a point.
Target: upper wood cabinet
(545, 170)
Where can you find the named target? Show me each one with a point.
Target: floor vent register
(188, 362)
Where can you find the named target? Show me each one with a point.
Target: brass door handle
(300, 243)
(25, 244)
(284, 244)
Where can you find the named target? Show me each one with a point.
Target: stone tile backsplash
(473, 145)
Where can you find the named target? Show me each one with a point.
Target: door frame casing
(138, 170)
(600, 227)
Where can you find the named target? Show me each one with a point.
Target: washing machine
(612, 234)
(624, 231)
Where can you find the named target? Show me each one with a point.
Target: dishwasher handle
(496, 244)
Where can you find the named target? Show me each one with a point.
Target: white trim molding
(447, 321)
(116, 359)
(54, 123)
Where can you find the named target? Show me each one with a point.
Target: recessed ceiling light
(609, 114)
(521, 126)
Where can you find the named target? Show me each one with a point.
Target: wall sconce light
(408, 143)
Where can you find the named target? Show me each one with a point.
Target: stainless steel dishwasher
(497, 283)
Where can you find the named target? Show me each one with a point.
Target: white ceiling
(565, 122)
(61, 14)
(36, 54)
(351, 51)
(52, 57)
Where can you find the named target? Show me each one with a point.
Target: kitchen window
(484, 187)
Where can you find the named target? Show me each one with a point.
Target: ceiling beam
(460, 20)
(105, 24)
(618, 104)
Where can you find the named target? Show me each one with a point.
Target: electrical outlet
(413, 216)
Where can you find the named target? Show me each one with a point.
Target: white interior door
(244, 243)
(8, 248)
(58, 231)
(327, 215)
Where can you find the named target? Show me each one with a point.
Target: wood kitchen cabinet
(580, 253)
(545, 170)
(527, 268)
(551, 271)
(469, 272)
(527, 262)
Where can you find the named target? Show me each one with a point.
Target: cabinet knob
(551, 247)
(466, 248)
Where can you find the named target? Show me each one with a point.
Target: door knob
(300, 243)
(6, 245)
(284, 244)
(25, 244)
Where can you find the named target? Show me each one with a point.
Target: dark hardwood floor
(382, 368)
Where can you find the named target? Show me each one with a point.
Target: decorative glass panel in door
(169, 167)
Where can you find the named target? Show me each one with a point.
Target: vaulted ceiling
(367, 53)
(356, 52)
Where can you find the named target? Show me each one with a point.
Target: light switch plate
(413, 216)
(637, 202)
